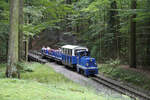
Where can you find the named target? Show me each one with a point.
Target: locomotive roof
(73, 47)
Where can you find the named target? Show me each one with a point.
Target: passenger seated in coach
(43, 49)
(48, 48)
(59, 49)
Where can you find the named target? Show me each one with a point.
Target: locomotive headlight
(87, 64)
(91, 60)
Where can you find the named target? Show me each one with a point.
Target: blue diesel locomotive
(73, 56)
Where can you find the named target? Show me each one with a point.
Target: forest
(116, 32)
(111, 29)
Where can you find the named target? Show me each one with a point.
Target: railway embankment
(130, 78)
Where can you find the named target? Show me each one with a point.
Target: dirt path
(74, 76)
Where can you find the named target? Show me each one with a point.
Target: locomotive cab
(86, 64)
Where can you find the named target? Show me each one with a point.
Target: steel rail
(122, 88)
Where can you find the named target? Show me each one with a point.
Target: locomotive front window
(79, 50)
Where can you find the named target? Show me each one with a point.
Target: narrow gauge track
(121, 88)
(115, 85)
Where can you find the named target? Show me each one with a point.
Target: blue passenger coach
(69, 54)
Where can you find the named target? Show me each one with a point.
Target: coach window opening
(63, 50)
(70, 52)
(67, 51)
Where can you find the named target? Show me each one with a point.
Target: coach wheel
(78, 70)
(86, 75)
(43, 57)
(74, 68)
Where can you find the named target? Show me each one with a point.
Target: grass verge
(43, 83)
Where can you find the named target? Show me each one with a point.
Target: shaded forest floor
(123, 73)
(146, 72)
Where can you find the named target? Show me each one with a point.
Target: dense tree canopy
(102, 25)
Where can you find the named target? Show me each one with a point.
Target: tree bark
(132, 37)
(11, 70)
(21, 22)
(68, 28)
(113, 28)
(26, 48)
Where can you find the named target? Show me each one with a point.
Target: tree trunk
(113, 28)
(26, 48)
(132, 38)
(21, 3)
(11, 70)
(68, 28)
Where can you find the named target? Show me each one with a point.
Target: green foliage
(102, 32)
(126, 75)
(40, 15)
(2, 70)
(25, 67)
(4, 16)
(97, 23)
(114, 63)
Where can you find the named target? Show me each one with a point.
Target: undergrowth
(125, 75)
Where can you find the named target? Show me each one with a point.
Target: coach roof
(70, 46)
(73, 47)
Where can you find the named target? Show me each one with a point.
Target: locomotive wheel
(82, 72)
(79, 71)
(86, 75)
